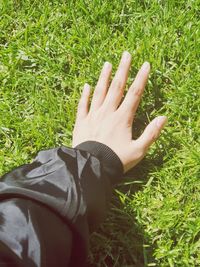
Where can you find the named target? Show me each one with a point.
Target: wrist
(110, 160)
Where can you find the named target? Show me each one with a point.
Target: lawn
(49, 49)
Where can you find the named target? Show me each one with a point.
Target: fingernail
(145, 66)
(161, 121)
(107, 64)
(126, 55)
(86, 88)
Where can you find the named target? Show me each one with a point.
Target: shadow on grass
(120, 240)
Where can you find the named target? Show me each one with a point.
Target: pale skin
(109, 122)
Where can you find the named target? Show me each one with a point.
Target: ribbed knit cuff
(110, 160)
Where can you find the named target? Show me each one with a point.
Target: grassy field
(49, 49)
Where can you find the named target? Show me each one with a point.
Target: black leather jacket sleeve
(49, 207)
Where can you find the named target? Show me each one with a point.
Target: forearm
(72, 184)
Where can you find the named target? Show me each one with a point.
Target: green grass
(49, 49)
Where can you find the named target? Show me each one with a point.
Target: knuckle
(152, 136)
(137, 91)
(117, 82)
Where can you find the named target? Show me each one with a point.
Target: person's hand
(110, 123)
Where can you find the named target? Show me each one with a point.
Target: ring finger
(134, 94)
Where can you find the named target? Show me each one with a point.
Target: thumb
(151, 132)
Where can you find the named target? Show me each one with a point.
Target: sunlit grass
(49, 49)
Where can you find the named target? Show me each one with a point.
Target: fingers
(83, 104)
(151, 133)
(101, 87)
(118, 83)
(134, 94)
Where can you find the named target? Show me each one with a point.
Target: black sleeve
(31, 235)
(58, 199)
